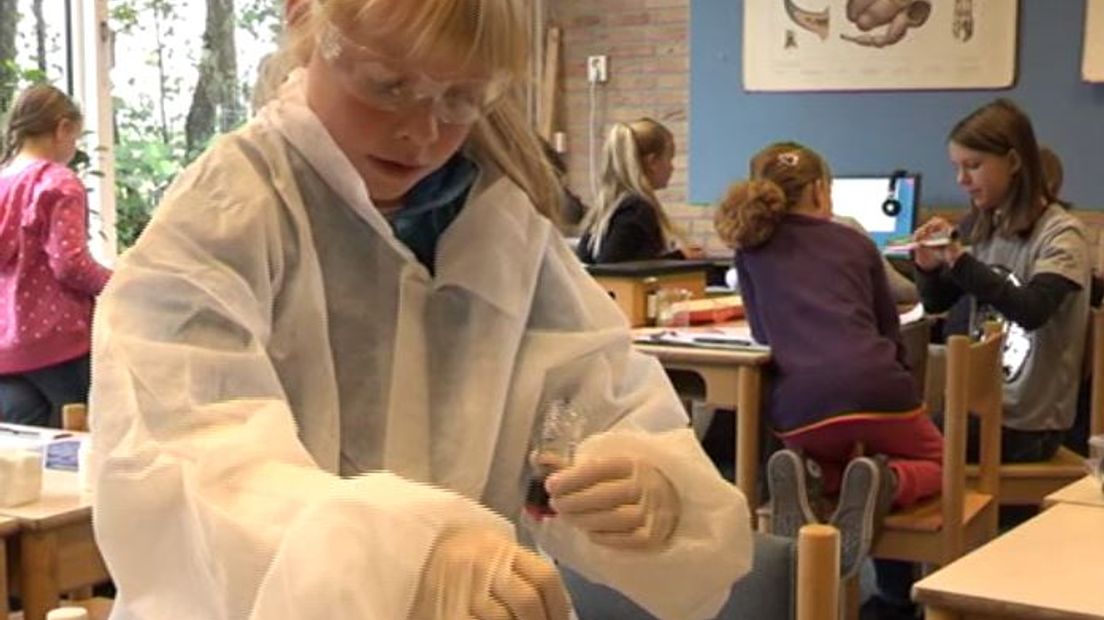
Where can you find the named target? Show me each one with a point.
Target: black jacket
(633, 233)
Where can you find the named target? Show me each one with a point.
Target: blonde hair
(489, 35)
(780, 175)
(37, 111)
(627, 147)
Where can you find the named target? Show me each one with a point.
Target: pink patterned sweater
(48, 279)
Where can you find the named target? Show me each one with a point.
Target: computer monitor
(863, 197)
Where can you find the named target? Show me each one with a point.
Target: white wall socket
(598, 68)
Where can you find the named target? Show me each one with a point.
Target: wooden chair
(789, 580)
(1095, 369)
(937, 531)
(940, 530)
(74, 417)
(1030, 483)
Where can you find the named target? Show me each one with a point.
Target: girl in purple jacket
(817, 293)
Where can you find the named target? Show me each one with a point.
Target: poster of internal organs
(804, 45)
(1093, 67)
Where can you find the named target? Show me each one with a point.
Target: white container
(20, 477)
(1096, 456)
(68, 613)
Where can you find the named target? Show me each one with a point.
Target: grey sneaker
(854, 515)
(789, 500)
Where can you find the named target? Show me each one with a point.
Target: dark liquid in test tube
(537, 502)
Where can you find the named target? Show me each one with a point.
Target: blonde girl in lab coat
(320, 372)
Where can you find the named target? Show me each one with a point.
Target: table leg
(3, 578)
(38, 570)
(747, 433)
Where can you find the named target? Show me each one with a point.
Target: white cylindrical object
(68, 613)
(20, 477)
(559, 142)
(84, 473)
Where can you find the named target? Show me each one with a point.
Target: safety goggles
(373, 79)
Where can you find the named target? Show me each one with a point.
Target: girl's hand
(621, 502)
(693, 252)
(480, 575)
(930, 259)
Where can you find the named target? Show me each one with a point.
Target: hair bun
(749, 213)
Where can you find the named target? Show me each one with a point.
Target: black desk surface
(645, 268)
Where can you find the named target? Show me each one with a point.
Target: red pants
(911, 442)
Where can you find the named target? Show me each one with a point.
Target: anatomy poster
(1093, 67)
(797, 45)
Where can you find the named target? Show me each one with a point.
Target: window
(184, 72)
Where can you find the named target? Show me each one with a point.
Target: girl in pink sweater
(48, 280)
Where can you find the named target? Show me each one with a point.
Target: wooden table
(733, 379)
(1046, 569)
(55, 551)
(1086, 492)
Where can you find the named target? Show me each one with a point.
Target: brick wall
(647, 42)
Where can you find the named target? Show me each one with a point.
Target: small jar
(560, 431)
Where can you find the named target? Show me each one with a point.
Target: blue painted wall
(865, 133)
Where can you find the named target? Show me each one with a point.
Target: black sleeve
(938, 291)
(633, 234)
(1030, 305)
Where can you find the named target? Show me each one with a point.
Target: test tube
(560, 431)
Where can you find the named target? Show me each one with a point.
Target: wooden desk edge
(9, 526)
(36, 524)
(986, 607)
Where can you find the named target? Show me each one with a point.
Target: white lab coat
(269, 341)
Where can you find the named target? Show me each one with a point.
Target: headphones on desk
(892, 206)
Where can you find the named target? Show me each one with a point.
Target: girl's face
(659, 168)
(986, 177)
(392, 147)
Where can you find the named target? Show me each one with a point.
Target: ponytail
(780, 175)
(8, 148)
(750, 213)
(627, 147)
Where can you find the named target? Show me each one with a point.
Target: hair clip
(789, 158)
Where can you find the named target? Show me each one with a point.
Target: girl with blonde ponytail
(628, 221)
(817, 293)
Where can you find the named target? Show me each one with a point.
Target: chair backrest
(986, 400)
(74, 417)
(1096, 357)
(974, 385)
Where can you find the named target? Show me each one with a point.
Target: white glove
(476, 574)
(621, 502)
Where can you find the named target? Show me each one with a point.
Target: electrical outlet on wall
(598, 68)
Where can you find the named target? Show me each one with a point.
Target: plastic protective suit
(277, 379)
